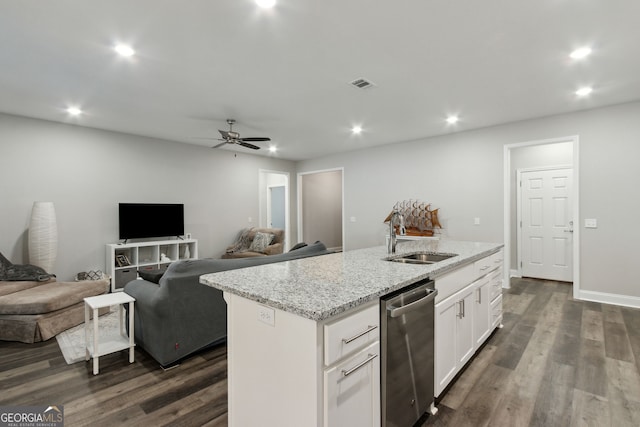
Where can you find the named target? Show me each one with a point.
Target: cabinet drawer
(352, 390)
(488, 264)
(496, 312)
(452, 282)
(496, 284)
(351, 333)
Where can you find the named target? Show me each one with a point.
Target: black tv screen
(138, 220)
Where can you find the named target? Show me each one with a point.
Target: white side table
(106, 345)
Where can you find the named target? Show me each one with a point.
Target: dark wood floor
(556, 362)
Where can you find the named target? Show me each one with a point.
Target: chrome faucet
(395, 216)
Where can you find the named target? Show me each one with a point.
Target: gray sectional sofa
(178, 316)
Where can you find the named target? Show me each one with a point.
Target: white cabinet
(454, 340)
(123, 260)
(466, 312)
(481, 305)
(352, 397)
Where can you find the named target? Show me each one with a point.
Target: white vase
(43, 236)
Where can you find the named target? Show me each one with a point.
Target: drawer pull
(355, 337)
(485, 267)
(347, 372)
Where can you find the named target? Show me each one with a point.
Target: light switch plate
(591, 223)
(476, 221)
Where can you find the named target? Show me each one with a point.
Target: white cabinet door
(445, 342)
(464, 328)
(352, 391)
(454, 344)
(481, 304)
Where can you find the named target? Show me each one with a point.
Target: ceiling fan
(231, 137)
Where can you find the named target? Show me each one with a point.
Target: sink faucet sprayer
(395, 216)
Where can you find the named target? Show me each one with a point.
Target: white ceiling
(285, 72)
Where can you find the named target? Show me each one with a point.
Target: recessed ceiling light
(584, 91)
(452, 120)
(356, 130)
(124, 50)
(273, 149)
(266, 3)
(580, 53)
(74, 111)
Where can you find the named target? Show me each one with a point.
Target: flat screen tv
(138, 220)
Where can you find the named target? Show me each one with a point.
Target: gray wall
(87, 172)
(462, 174)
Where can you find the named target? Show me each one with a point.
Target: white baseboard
(606, 298)
(514, 273)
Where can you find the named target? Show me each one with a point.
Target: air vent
(362, 83)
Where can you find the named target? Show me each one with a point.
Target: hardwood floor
(557, 361)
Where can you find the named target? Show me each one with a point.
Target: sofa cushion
(7, 288)
(153, 276)
(51, 297)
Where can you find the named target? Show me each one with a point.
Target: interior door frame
(519, 173)
(299, 185)
(508, 182)
(262, 202)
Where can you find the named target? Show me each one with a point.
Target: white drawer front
(496, 284)
(488, 264)
(451, 283)
(351, 333)
(496, 312)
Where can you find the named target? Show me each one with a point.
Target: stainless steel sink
(421, 258)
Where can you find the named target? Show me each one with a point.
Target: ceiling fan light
(74, 111)
(452, 119)
(356, 130)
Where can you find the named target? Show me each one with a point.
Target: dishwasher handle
(399, 311)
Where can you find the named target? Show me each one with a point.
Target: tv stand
(123, 260)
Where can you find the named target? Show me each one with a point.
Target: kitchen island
(293, 331)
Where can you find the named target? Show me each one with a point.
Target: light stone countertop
(320, 287)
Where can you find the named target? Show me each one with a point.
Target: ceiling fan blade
(246, 144)
(255, 139)
(219, 145)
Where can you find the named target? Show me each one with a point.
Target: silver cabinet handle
(460, 315)
(347, 372)
(485, 267)
(479, 296)
(355, 337)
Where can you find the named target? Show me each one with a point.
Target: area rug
(72, 341)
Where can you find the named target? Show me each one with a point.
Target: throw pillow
(153, 276)
(298, 246)
(242, 244)
(261, 241)
(22, 272)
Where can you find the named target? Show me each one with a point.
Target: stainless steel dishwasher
(407, 337)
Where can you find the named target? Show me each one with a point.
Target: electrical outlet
(267, 315)
(352, 219)
(591, 223)
(250, 219)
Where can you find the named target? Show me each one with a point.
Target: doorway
(536, 155)
(320, 207)
(274, 207)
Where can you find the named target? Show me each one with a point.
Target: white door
(546, 224)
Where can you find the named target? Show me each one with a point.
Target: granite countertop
(320, 287)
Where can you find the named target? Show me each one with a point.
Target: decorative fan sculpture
(419, 219)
